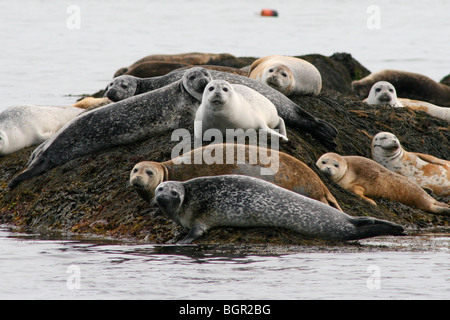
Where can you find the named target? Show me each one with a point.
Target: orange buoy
(269, 13)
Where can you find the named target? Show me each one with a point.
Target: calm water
(44, 60)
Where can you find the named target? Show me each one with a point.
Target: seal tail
(33, 170)
(319, 129)
(366, 227)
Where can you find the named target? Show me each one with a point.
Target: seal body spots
(368, 179)
(289, 111)
(383, 93)
(241, 201)
(288, 75)
(226, 106)
(120, 123)
(426, 170)
(220, 159)
(24, 126)
(408, 85)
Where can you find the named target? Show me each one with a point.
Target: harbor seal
(408, 85)
(120, 123)
(368, 179)
(90, 103)
(285, 170)
(24, 126)
(425, 170)
(292, 114)
(383, 93)
(241, 201)
(289, 75)
(226, 106)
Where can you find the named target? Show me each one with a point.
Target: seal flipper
(366, 227)
(195, 232)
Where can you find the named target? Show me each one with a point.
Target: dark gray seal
(126, 86)
(120, 123)
(241, 201)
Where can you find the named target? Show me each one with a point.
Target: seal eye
(124, 86)
(270, 70)
(150, 173)
(160, 189)
(324, 162)
(225, 89)
(191, 78)
(390, 90)
(135, 170)
(284, 74)
(174, 193)
(211, 88)
(377, 89)
(336, 165)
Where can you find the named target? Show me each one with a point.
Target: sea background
(54, 51)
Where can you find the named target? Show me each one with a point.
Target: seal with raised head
(383, 93)
(408, 85)
(267, 164)
(288, 75)
(24, 126)
(426, 170)
(235, 106)
(368, 179)
(292, 114)
(240, 201)
(120, 123)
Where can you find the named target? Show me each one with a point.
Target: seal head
(383, 93)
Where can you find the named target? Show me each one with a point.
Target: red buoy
(269, 13)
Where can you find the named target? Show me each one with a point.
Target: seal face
(425, 170)
(288, 75)
(24, 126)
(226, 106)
(119, 123)
(368, 179)
(241, 201)
(267, 164)
(122, 87)
(289, 111)
(383, 93)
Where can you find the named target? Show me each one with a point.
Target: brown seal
(90, 103)
(267, 164)
(368, 179)
(408, 85)
(192, 58)
(424, 169)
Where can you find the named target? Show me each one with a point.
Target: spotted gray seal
(241, 201)
(120, 123)
(293, 115)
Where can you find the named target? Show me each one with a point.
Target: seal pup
(226, 106)
(240, 201)
(425, 170)
(368, 179)
(383, 93)
(408, 85)
(289, 111)
(24, 126)
(285, 170)
(120, 123)
(289, 75)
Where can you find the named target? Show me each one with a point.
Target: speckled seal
(220, 159)
(120, 123)
(293, 115)
(289, 75)
(383, 93)
(368, 179)
(24, 126)
(241, 201)
(426, 170)
(235, 106)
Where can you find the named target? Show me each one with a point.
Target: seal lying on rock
(425, 170)
(24, 126)
(267, 164)
(367, 179)
(289, 75)
(241, 201)
(126, 86)
(120, 123)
